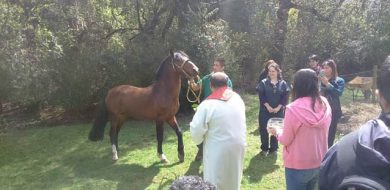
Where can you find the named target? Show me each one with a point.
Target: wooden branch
(155, 20)
(168, 23)
(136, 35)
(120, 30)
(137, 7)
(313, 11)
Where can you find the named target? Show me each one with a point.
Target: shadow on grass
(193, 170)
(260, 166)
(255, 132)
(125, 176)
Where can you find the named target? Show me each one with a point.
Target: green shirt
(206, 89)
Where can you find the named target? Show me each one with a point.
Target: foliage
(353, 38)
(70, 52)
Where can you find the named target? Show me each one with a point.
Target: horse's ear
(171, 52)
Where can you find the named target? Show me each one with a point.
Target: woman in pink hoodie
(305, 132)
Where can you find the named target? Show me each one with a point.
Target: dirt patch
(17, 116)
(355, 114)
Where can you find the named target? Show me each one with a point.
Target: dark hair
(191, 183)
(220, 60)
(306, 85)
(384, 79)
(219, 79)
(276, 67)
(333, 66)
(314, 57)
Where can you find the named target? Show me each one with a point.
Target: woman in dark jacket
(273, 94)
(332, 87)
(362, 158)
(264, 72)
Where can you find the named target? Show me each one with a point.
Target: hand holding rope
(197, 96)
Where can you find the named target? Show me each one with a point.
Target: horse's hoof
(114, 158)
(163, 158)
(181, 157)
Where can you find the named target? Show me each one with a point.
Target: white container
(276, 123)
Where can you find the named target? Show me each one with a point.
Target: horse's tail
(97, 131)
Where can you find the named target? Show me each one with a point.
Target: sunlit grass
(62, 158)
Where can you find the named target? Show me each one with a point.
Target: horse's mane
(160, 69)
(183, 53)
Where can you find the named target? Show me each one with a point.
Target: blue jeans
(306, 179)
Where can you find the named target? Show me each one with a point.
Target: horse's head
(184, 65)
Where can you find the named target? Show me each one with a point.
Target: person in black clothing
(361, 160)
(273, 94)
(314, 63)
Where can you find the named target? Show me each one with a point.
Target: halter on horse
(158, 102)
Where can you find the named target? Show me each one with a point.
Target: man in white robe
(220, 124)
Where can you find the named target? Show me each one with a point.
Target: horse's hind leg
(114, 131)
(180, 147)
(160, 137)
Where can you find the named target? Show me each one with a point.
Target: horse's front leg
(160, 137)
(180, 147)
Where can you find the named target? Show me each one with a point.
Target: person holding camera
(332, 87)
(361, 159)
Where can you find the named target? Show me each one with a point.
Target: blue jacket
(333, 93)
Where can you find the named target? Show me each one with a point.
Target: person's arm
(284, 97)
(291, 123)
(230, 84)
(337, 88)
(199, 124)
(263, 97)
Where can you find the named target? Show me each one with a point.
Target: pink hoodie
(305, 133)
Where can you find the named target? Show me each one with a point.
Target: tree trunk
(279, 36)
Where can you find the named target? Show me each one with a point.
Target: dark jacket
(272, 94)
(365, 152)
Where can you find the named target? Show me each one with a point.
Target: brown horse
(158, 102)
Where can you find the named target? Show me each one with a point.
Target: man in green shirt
(204, 86)
(204, 83)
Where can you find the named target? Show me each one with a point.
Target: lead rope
(197, 97)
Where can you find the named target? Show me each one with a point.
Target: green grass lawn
(62, 158)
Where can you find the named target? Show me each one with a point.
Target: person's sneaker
(264, 153)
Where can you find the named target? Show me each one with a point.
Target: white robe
(221, 126)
